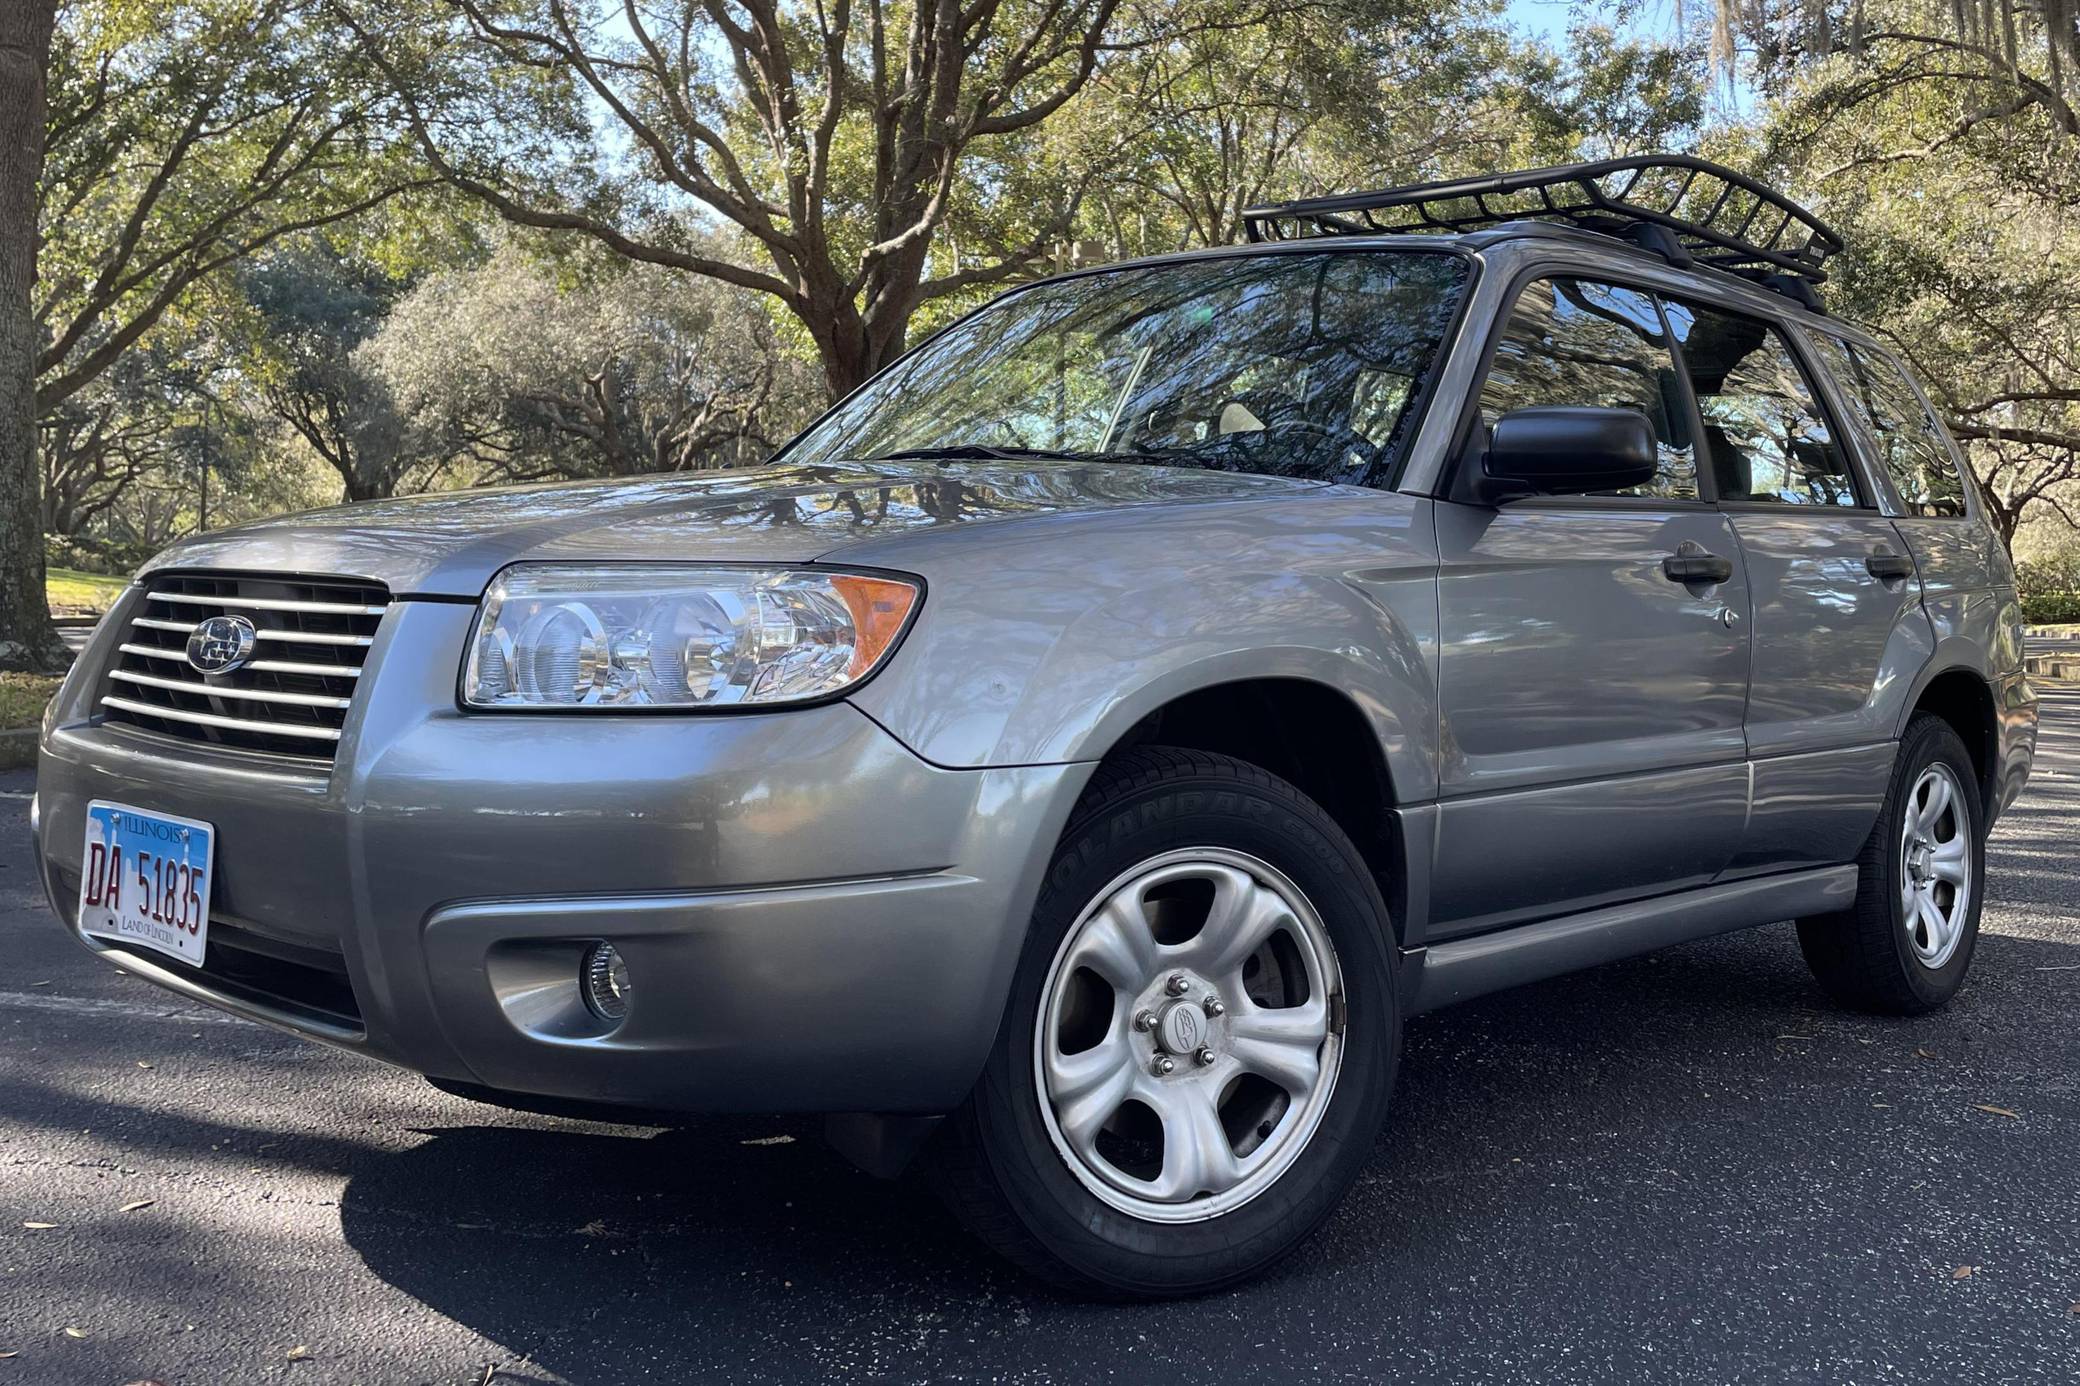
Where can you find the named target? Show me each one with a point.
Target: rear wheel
(1906, 944)
(1200, 1042)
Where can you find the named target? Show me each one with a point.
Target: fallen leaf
(140, 1203)
(2076, 1306)
(1996, 1111)
(39, 984)
(72, 1332)
(16, 1352)
(299, 1353)
(144, 1381)
(141, 1063)
(39, 1226)
(1923, 1054)
(1963, 1273)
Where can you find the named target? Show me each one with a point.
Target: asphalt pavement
(1685, 1168)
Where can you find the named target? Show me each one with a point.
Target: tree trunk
(27, 639)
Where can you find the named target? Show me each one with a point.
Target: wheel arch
(1311, 734)
(1962, 697)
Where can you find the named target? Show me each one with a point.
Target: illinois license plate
(145, 880)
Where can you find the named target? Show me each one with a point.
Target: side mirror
(1563, 450)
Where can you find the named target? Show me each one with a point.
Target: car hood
(451, 543)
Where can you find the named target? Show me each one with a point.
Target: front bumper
(814, 918)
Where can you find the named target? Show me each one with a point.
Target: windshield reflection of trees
(1290, 365)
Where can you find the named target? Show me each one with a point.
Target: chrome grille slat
(211, 719)
(155, 652)
(292, 699)
(251, 695)
(306, 637)
(265, 603)
(301, 637)
(290, 666)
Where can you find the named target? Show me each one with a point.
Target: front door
(1593, 664)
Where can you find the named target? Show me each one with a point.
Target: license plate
(145, 880)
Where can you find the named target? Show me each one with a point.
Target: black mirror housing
(1564, 449)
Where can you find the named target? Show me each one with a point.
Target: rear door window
(1764, 433)
(1574, 341)
(1901, 432)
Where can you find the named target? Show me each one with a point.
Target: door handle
(1696, 567)
(1888, 566)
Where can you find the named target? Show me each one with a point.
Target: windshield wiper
(970, 452)
(963, 452)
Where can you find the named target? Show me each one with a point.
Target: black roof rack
(1677, 204)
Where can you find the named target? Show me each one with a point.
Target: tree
(311, 310)
(1958, 207)
(838, 139)
(1362, 93)
(27, 639)
(186, 136)
(589, 366)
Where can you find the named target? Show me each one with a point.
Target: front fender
(1053, 640)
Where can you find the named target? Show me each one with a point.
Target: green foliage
(2050, 586)
(185, 135)
(22, 700)
(1955, 191)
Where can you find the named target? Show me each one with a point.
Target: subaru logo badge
(222, 644)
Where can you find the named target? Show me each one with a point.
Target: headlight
(649, 635)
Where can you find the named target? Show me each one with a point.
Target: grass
(68, 590)
(22, 697)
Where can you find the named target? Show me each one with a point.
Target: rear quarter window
(1901, 432)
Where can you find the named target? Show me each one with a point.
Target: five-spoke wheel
(1906, 942)
(1202, 1035)
(1935, 865)
(1187, 1044)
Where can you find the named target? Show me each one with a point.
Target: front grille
(290, 698)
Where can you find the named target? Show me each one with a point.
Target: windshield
(1301, 365)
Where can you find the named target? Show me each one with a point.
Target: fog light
(604, 980)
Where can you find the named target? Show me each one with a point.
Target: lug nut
(1163, 1066)
(1205, 1057)
(1212, 1005)
(1145, 1021)
(1178, 984)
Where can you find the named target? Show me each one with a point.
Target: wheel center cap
(1182, 1028)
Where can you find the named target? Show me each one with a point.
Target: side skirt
(1460, 969)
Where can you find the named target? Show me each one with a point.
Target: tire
(1164, 1201)
(1874, 956)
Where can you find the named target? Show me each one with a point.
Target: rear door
(1590, 704)
(1837, 629)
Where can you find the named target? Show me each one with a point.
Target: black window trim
(1862, 344)
(1455, 480)
(1818, 385)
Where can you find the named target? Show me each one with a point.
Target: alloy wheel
(1935, 866)
(1189, 1035)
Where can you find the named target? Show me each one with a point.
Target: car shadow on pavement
(1652, 1135)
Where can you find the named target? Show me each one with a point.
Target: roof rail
(1715, 216)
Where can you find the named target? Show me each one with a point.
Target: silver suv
(1077, 754)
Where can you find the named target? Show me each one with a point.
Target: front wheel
(1200, 1042)
(1904, 947)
